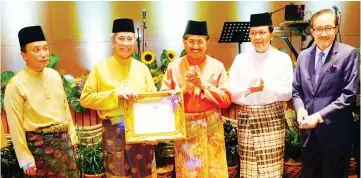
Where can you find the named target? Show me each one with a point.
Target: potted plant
(90, 157)
(90, 161)
(353, 164)
(74, 92)
(9, 163)
(292, 164)
(164, 155)
(5, 78)
(231, 141)
(355, 150)
(149, 59)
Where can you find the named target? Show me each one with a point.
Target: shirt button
(315, 98)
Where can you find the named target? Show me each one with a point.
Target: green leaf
(69, 91)
(135, 56)
(230, 137)
(75, 103)
(91, 159)
(153, 65)
(5, 78)
(158, 85)
(163, 68)
(183, 53)
(357, 107)
(53, 61)
(163, 58)
(282, 50)
(293, 138)
(156, 72)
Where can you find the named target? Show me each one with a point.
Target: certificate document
(155, 117)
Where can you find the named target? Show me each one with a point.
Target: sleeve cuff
(323, 120)
(320, 120)
(25, 165)
(29, 165)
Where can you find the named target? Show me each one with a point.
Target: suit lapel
(311, 69)
(326, 65)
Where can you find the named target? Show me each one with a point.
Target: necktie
(318, 65)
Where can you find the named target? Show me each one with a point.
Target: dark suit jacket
(333, 97)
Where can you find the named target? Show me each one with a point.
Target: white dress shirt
(273, 66)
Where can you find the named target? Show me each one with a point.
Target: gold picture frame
(144, 121)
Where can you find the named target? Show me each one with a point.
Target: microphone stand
(280, 9)
(339, 20)
(144, 27)
(277, 10)
(138, 42)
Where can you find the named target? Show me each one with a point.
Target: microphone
(144, 15)
(335, 7)
(336, 11)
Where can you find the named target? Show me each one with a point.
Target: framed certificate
(155, 116)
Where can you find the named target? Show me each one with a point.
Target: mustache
(324, 37)
(124, 47)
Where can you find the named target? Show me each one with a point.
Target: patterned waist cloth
(261, 108)
(261, 133)
(123, 160)
(55, 128)
(201, 115)
(202, 154)
(53, 151)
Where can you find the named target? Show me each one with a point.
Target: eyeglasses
(123, 40)
(328, 30)
(260, 33)
(194, 42)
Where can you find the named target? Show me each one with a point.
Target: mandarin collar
(34, 73)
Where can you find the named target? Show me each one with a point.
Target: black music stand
(235, 32)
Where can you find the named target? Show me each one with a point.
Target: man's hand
(188, 87)
(152, 142)
(127, 94)
(301, 115)
(30, 171)
(311, 121)
(174, 91)
(256, 85)
(194, 76)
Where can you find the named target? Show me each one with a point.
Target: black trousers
(321, 162)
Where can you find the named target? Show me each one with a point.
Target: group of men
(323, 88)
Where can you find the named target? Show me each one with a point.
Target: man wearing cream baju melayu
(38, 114)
